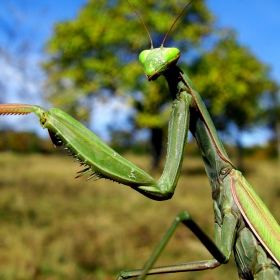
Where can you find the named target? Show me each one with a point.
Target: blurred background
(82, 57)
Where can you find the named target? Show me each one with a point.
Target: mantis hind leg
(186, 219)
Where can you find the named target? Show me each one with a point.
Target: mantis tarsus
(242, 222)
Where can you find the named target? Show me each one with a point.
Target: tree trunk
(239, 151)
(156, 146)
(277, 130)
(239, 156)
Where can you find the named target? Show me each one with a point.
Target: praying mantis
(243, 224)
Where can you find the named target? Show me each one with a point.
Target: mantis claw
(83, 172)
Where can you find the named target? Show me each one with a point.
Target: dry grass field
(53, 226)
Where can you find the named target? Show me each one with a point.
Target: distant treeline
(28, 142)
(24, 142)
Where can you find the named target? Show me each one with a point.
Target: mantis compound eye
(171, 55)
(143, 55)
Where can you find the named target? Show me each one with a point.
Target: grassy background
(55, 227)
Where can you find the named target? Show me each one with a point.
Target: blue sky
(256, 22)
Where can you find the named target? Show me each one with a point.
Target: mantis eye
(171, 54)
(143, 55)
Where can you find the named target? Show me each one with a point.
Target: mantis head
(156, 61)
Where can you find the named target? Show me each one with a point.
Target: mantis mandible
(242, 221)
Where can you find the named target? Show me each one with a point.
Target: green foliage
(233, 83)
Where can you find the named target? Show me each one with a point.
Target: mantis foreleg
(102, 161)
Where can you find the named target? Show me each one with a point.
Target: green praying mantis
(243, 223)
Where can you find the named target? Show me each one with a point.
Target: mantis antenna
(151, 40)
(167, 33)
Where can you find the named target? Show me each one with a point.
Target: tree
(273, 115)
(96, 55)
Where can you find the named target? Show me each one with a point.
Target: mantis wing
(256, 214)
